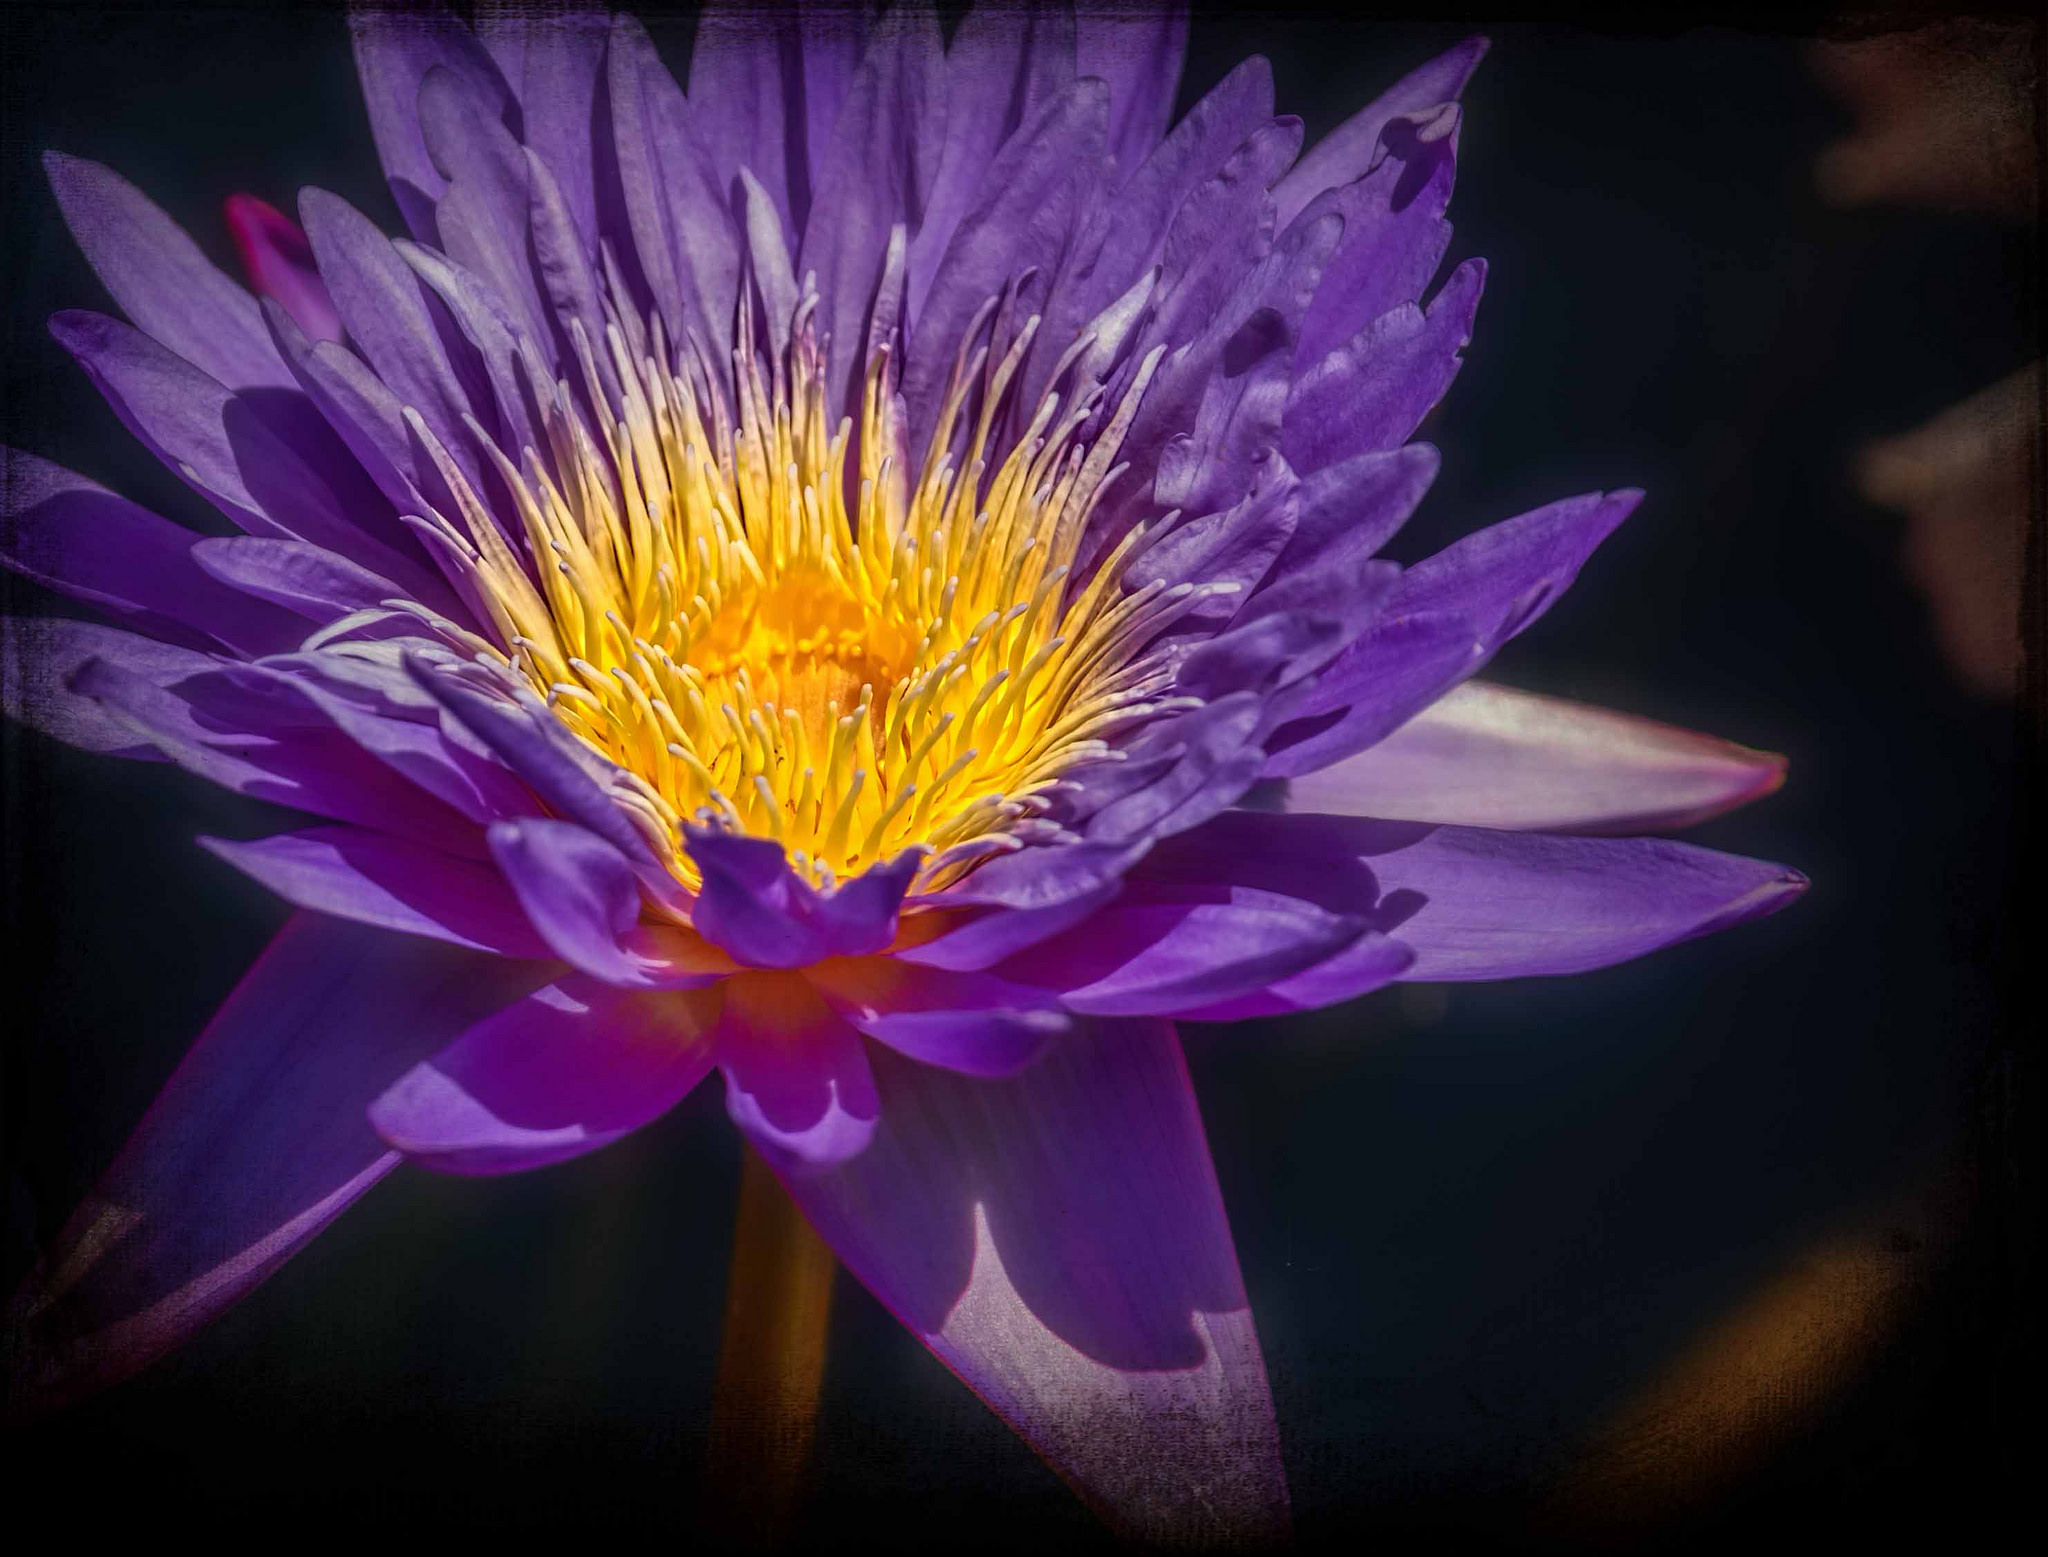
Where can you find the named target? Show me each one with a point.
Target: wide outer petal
(1479, 904)
(1489, 756)
(572, 1067)
(375, 879)
(1059, 1241)
(74, 535)
(257, 1141)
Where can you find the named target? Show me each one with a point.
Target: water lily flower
(861, 576)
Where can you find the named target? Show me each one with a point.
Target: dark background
(1479, 1222)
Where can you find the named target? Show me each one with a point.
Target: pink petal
(279, 263)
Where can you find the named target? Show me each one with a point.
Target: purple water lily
(861, 576)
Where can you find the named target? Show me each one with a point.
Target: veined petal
(1058, 1240)
(877, 169)
(254, 1145)
(553, 59)
(1489, 756)
(1442, 622)
(570, 1068)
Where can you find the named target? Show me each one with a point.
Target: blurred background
(1737, 1240)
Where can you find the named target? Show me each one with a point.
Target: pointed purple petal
(1166, 950)
(572, 1067)
(395, 47)
(256, 1143)
(163, 283)
(1058, 1240)
(379, 880)
(877, 170)
(976, 1023)
(75, 536)
(553, 60)
(40, 654)
(1346, 152)
(1489, 756)
(1478, 904)
(1138, 50)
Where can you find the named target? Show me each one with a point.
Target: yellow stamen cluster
(702, 608)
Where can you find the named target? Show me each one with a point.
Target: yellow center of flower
(709, 615)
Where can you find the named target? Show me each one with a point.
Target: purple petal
(255, 1144)
(1402, 664)
(1489, 756)
(1443, 621)
(1368, 963)
(745, 67)
(379, 880)
(223, 445)
(572, 1067)
(1162, 950)
(1139, 52)
(279, 263)
(751, 904)
(1347, 151)
(684, 242)
(1127, 234)
(356, 696)
(482, 216)
(75, 536)
(395, 48)
(208, 725)
(382, 305)
(1347, 512)
(1022, 217)
(40, 654)
(832, 41)
(1002, 69)
(876, 172)
(539, 748)
(308, 581)
(161, 280)
(553, 60)
(975, 1023)
(1394, 232)
(1510, 573)
(1477, 904)
(1058, 1240)
(1374, 390)
(579, 892)
(796, 1075)
(980, 938)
